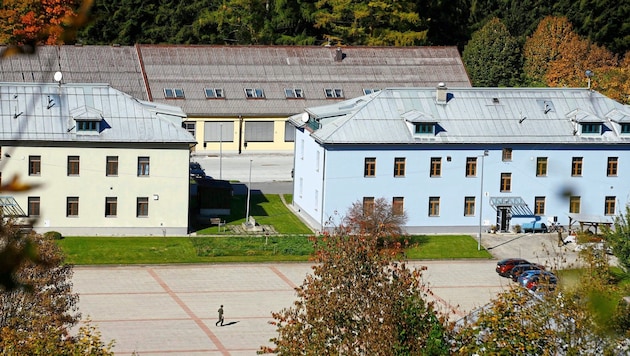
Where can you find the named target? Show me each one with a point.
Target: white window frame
(214, 93)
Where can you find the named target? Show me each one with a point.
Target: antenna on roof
(589, 74)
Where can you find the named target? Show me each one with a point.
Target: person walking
(220, 317)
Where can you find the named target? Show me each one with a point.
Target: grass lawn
(97, 250)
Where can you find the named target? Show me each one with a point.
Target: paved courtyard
(172, 309)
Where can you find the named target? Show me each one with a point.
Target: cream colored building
(100, 161)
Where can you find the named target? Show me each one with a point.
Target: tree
(374, 23)
(37, 312)
(575, 320)
(492, 56)
(36, 21)
(377, 219)
(361, 299)
(618, 238)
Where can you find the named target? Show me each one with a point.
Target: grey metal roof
(116, 65)
(471, 115)
(47, 112)
(274, 68)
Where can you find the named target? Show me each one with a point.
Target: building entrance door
(503, 218)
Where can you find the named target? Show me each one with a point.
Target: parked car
(542, 283)
(504, 267)
(519, 269)
(196, 171)
(526, 276)
(534, 226)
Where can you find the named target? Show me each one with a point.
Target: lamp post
(485, 153)
(249, 188)
(220, 151)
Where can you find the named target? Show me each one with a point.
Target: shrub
(53, 235)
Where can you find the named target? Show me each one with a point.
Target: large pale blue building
(455, 159)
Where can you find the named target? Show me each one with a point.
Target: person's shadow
(230, 323)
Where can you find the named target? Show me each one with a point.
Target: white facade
(128, 175)
(526, 176)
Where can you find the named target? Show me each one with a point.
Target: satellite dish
(58, 76)
(305, 117)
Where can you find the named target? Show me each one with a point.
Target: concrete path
(172, 309)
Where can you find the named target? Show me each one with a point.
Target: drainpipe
(240, 133)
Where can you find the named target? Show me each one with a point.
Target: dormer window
(591, 128)
(368, 91)
(625, 128)
(254, 93)
(174, 93)
(88, 126)
(424, 128)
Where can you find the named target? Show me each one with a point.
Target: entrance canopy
(518, 207)
(588, 221)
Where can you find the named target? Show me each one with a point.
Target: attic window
(252, 93)
(332, 93)
(214, 93)
(294, 93)
(625, 128)
(174, 93)
(424, 128)
(591, 128)
(88, 125)
(368, 91)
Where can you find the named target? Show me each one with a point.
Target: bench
(218, 222)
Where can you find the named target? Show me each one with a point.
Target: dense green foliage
(382, 22)
(619, 238)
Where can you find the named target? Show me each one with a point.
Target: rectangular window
(333, 93)
(254, 93)
(574, 204)
(541, 167)
(259, 131)
(576, 167)
(111, 166)
(173, 93)
(506, 182)
(469, 206)
(72, 206)
(111, 206)
(73, 165)
(218, 131)
(611, 169)
(436, 167)
(434, 206)
(142, 207)
(609, 206)
(294, 93)
(507, 155)
(289, 132)
(33, 206)
(34, 165)
(398, 206)
(471, 166)
(625, 128)
(368, 205)
(214, 93)
(190, 127)
(591, 128)
(88, 125)
(367, 91)
(369, 167)
(539, 205)
(424, 128)
(143, 166)
(399, 167)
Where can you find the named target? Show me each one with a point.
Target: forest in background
(503, 43)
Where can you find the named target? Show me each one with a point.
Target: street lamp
(485, 153)
(220, 151)
(249, 188)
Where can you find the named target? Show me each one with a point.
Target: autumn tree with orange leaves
(361, 299)
(37, 21)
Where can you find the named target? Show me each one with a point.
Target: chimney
(441, 93)
(338, 55)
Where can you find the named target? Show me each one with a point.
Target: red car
(504, 267)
